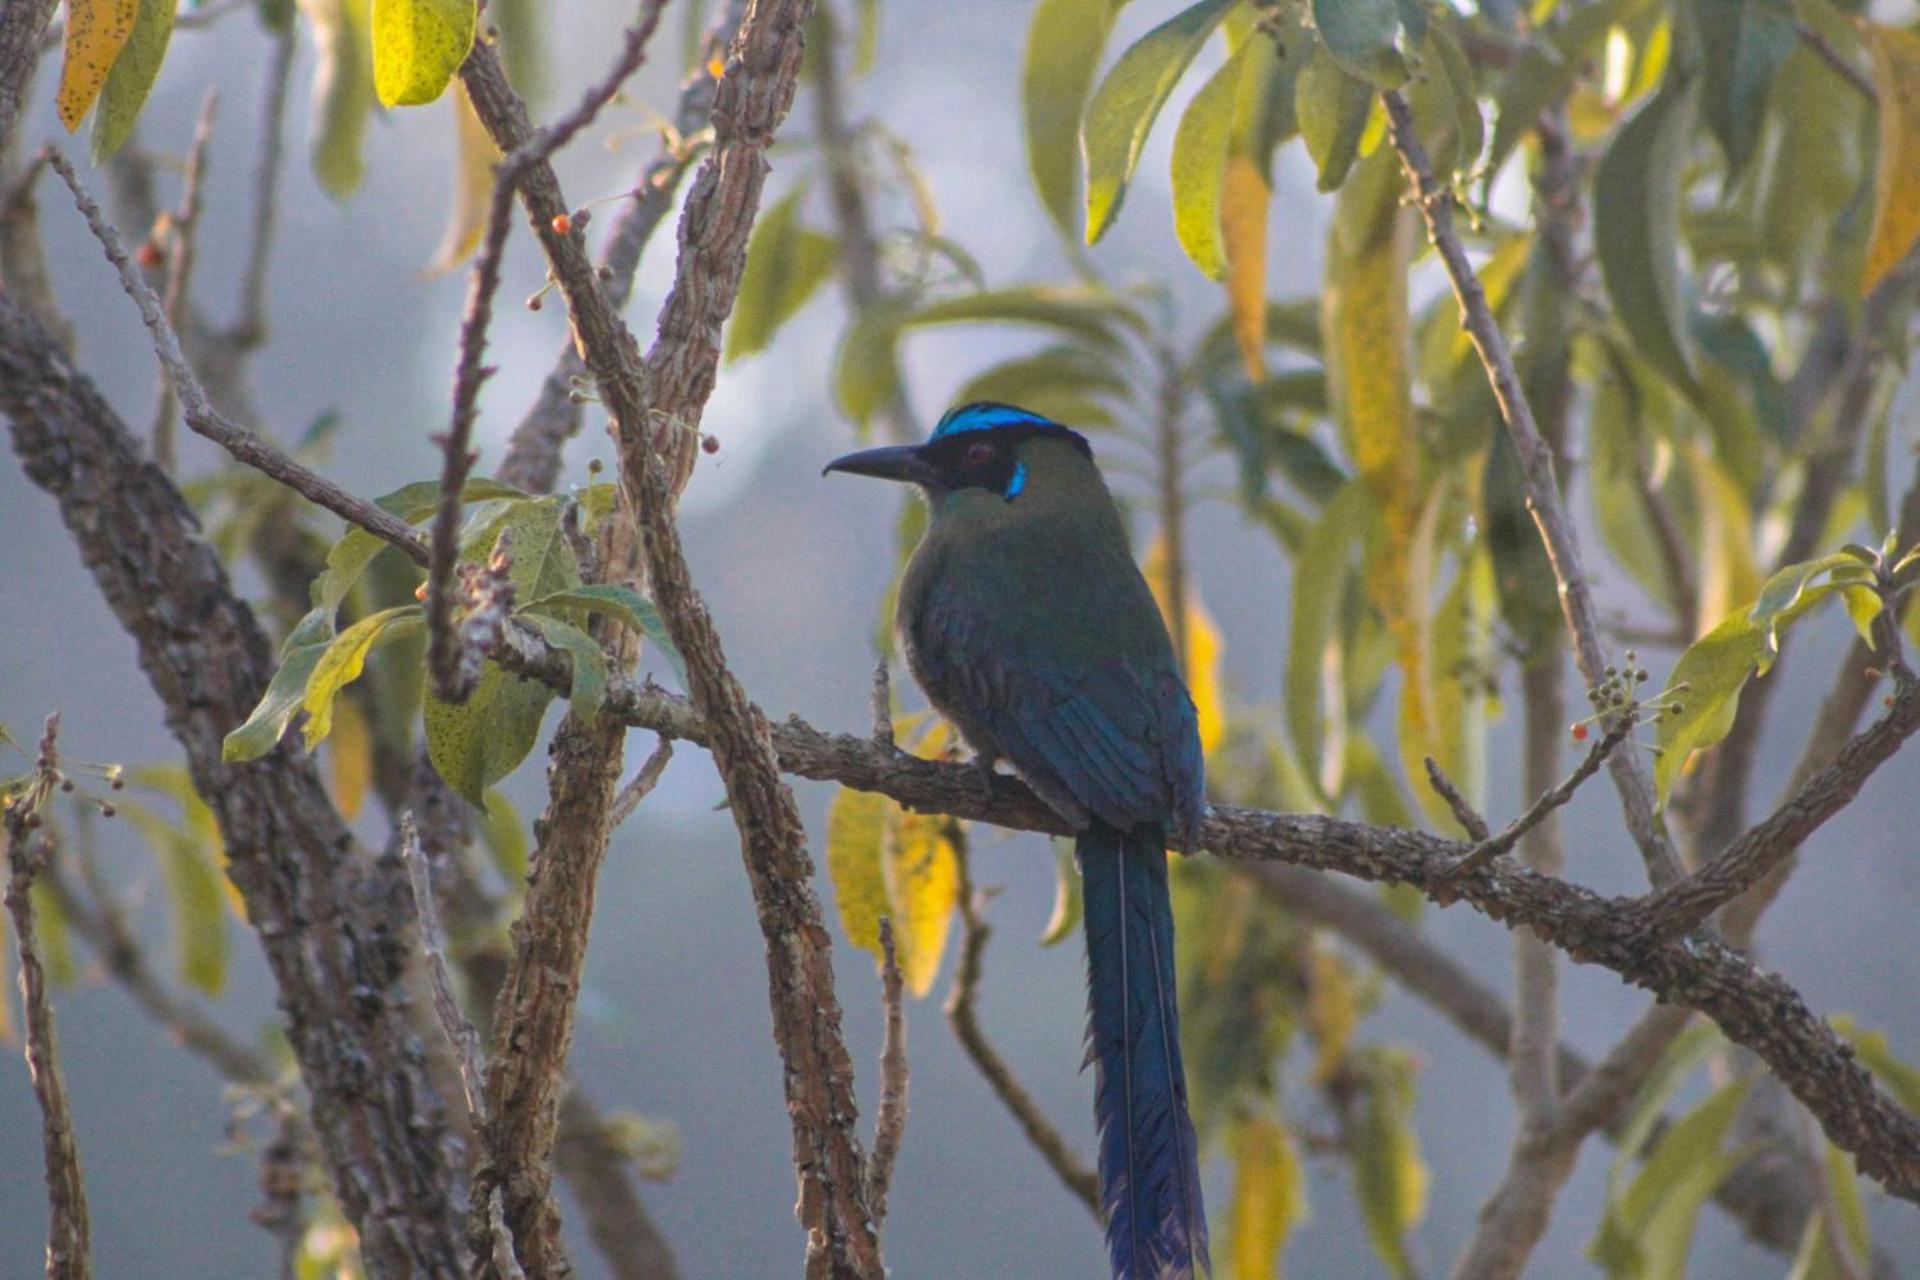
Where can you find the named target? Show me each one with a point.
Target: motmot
(1027, 623)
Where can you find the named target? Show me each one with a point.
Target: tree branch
(69, 1249)
(1544, 501)
(963, 1015)
(890, 1121)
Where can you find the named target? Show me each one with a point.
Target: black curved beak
(895, 462)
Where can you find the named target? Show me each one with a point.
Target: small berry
(710, 444)
(533, 303)
(118, 784)
(107, 811)
(66, 784)
(716, 66)
(562, 225)
(1887, 702)
(420, 592)
(1580, 733)
(148, 255)
(595, 466)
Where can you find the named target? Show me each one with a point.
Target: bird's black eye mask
(980, 460)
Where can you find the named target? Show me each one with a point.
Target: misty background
(675, 1020)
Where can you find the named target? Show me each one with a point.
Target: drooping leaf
(856, 833)
(132, 77)
(866, 370)
(922, 875)
(589, 691)
(786, 264)
(1332, 108)
(476, 743)
(1390, 1178)
(1096, 317)
(56, 940)
(284, 693)
(1315, 690)
(505, 837)
(96, 32)
(1065, 382)
(1269, 1196)
(1069, 903)
(1361, 34)
(1200, 164)
(1064, 45)
(1742, 44)
(1333, 1010)
(1203, 643)
(193, 880)
(523, 44)
(349, 759)
(619, 601)
(417, 46)
(1636, 217)
(342, 91)
(341, 661)
(1896, 187)
(474, 157)
(1123, 108)
(1649, 1225)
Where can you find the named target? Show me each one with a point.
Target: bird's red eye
(979, 454)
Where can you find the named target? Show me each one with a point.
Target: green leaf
(1389, 1177)
(476, 743)
(1125, 105)
(523, 44)
(343, 88)
(1332, 108)
(341, 662)
(619, 601)
(1094, 316)
(1742, 44)
(285, 692)
(417, 46)
(1064, 382)
(1547, 67)
(1360, 33)
(1315, 694)
(1064, 45)
(1648, 1229)
(866, 370)
(132, 77)
(589, 692)
(1200, 165)
(193, 878)
(786, 264)
(505, 837)
(1068, 901)
(1636, 217)
(543, 562)
(350, 556)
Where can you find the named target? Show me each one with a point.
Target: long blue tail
(1149, 1167)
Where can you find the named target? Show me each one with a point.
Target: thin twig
(1492, 847)
(1435, 201)
(964, 1017)
(643, 782)
(68, 1245)
(250, 330)
(200, 414)
(1463, 813)
(186, 223)
(1824, 50)
(890, 1121)
(446, 1006)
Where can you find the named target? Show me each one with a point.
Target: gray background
(675, 1017)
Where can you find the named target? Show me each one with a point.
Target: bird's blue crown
(986, 415)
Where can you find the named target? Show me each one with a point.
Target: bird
(1027, 623)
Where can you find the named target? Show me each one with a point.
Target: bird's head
(991, 449)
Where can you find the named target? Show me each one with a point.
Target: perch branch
(890, 1121)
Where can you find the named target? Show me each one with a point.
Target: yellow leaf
(1333, 1010)
(1728, 575)
(349, 758)
(1244, 196)
(922, 882)
(474, 158)
(1269, 1196)
(1896, 188)
(96, 32)
(856, 827)
(1204, 646)
(417, 46)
